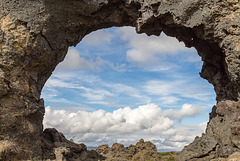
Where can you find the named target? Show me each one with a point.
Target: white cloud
(180, 87)
(58, 82)
(169, 100)
(73, 76)
(124, 89)
(96, 94)
(187, 110)
(127, 124)
(55, 82)
(145, 50)
(123, 120)
(162, 67)
(98, 38)
(73, 61)
(58, 101)
(74, 108)
(160, 87)
(91, 89)
(95, 90)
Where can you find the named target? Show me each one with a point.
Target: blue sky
(119, 86)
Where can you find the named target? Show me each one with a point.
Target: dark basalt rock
(56, 147)
(35, 36)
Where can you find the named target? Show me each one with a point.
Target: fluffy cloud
(187, 110)
(147, 121)
(123, 120)
(145, 50)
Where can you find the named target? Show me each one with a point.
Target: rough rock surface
(233, 157)
(56, 147)
(142, 151)
(222, 136)
(35, 36)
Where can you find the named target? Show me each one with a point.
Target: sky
(120, 86)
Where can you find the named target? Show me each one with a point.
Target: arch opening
(127, 86)
(35, 36)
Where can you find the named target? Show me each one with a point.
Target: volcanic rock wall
(35, 36)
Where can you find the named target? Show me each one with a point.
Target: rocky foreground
(140, 152)
(57, 148)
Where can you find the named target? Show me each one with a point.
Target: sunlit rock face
(35, 36)
(141, 151)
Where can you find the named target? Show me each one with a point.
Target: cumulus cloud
(123, 120)
(187, 110)
(148, 121)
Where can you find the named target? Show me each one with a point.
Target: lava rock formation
(35, 36)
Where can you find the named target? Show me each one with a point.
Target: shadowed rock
(56, 147)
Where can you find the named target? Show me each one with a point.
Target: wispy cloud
(74, 61)
(180, 87)
(73, 108)
(123, 89)
(168, 100)
(94, 89)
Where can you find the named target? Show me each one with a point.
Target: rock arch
(35, 36)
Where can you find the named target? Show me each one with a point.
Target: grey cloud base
(35, 36)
